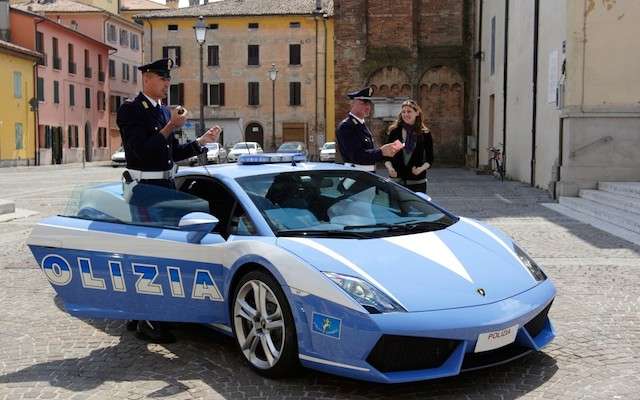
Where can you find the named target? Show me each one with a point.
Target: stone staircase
(614, 208)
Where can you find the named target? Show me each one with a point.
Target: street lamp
(201, 33)
(273, 74)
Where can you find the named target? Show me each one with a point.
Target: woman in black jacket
(409, 166)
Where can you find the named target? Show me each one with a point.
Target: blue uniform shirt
(145, 148)
(355, 143)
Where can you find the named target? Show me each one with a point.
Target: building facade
(244, 40)
(418, 49)
(17, 116)
(559, 90)
(121, 71)
(71, 92)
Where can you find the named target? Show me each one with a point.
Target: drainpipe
(478, 56)
(315, 122)
(325, 17)
(504, 84)
(37, 103)
(536, 21)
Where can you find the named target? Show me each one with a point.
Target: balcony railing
(87, 72)
(72, 67)
(43, 60)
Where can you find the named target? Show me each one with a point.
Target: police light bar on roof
(270, 158)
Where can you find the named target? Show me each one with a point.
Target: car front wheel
(263, 325)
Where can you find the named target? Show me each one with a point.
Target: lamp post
(273, 74)
(201, 33)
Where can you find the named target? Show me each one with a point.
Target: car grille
(407, 353)
(486, 358)
(534, 326)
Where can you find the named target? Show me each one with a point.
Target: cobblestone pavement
(46, 354)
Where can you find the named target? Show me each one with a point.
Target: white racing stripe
(332, 363)
(429, 245)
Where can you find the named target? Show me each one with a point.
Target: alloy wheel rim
(259, 324)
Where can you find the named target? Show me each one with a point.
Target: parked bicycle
(496, 161)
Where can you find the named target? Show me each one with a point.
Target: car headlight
(528, 262)
(369, 297)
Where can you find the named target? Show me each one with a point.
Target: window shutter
(177, 60)
(221, 93)
(181, 93)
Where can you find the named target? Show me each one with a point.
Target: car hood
(425, 271)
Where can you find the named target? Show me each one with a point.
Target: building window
(72, 95)
(72, 136)
(56, 56)
(112, 69)
(114, 103)
(71, 59)
(124, 38)
(135, 42)
(172, 52)
(216, 94)
(134, 73)
(253, 54)
(40, 89)
(294, 93)
(176, 94)
(294, 24)
(125, 72)
(87, 97)
(87, 64)
(254, 93)
(101, 100)
(294, 54)
(493, 45)
(19, 136)
(111, 33)
(100, 69)
(40, 48)
(172, 27)
(17, 84)
(213, 56)
(213, 26)
(253, 25)
(102, 137)
(56, 92)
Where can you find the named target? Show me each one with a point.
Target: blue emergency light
(271, 158)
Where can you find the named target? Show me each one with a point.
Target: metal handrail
(605, 139)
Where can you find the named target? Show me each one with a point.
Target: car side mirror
(424, 196)
(198, 224)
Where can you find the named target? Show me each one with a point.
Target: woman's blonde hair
(418, 125)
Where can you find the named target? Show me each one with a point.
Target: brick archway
(390, 82)
(442, 100)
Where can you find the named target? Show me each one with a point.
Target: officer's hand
(392, 172)
(210, 136)
(390, 149)
(178, 117)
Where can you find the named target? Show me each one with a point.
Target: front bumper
(405, 347)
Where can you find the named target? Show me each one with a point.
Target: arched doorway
(88, 142)
(442, 100)
(394, 85)
(254, 133)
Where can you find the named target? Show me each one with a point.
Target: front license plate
(493, 340)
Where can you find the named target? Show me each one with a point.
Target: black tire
(287, 362)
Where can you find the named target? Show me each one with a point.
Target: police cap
(362, 94)
(160, 67)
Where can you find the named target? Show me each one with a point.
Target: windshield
(329, 146)
(290, 147)
(347, 204)
(243, 145)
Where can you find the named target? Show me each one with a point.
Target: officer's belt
(362, 167)
(138, 175)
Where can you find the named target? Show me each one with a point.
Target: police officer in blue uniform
(151, 149)
(355, 144)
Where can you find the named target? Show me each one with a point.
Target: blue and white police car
(322, 265)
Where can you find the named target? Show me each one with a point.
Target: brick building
(409, 48)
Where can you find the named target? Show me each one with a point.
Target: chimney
(4, 20)
(172, 4)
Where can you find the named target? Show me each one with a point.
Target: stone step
(623, 219)
(7, 207)
(619, 201)
(631, 189)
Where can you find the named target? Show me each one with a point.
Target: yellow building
(244, 40)
(17, 120)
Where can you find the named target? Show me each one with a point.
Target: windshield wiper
(409, 226)
(334, 233)
(380, 225)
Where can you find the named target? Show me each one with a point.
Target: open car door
(108, 258)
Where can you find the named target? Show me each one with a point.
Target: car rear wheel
(263, 325)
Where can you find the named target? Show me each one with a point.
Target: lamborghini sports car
(322, 265)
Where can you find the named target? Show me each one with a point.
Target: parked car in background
(293, 147)
(328, 152)
(216, 154)
(243, 148)
(118, 159)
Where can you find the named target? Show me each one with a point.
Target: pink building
(119, 32)
(72, 89)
